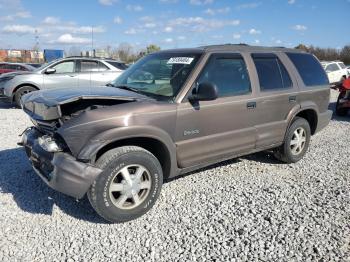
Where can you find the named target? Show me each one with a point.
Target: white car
(336, 71)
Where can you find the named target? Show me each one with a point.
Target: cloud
(147, 19)
(236, 36)
(257, 41)
(168, 1)
(131, 31)
(19, 29)
(50, 20)
(248, 5)
(168, 40)
(291, 2)
(135, 8)
(168, 29)
(107, 2)
(199, 24)
(299, 27)
(181, 37)
(278, 42)
(18, 15)
(224, 10)
(253, 31)
(150, 25)
(80, 29)
(118, 20)
(201, 2)
(69, 39)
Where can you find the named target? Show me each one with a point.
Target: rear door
(277, 96)
(213, 130)
(92, 73)
(65, 75)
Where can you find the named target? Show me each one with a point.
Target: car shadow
(32, 195)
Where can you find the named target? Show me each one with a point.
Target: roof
(233, 47)
(93, 58)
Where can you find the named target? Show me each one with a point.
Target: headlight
(48, 144)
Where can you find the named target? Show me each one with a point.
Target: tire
(21, 92)
(339, 111)
(288, 152)
(113, 193)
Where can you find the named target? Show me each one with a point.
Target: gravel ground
(247, 209)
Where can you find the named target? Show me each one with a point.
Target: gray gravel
(248, 209)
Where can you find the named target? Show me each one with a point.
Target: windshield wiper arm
(125, 87)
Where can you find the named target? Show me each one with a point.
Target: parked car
(70, 72)
(35, 65)
(13, 67)
(336, 71)
(170, 113)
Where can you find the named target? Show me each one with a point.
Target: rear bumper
(324, 119)
(59, 170)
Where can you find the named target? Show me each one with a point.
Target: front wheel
(296, 142)
(21, 92)
(129, 185)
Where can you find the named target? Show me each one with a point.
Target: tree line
(328, 54)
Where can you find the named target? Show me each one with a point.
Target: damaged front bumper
(59, 170)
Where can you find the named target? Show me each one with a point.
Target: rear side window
(118, 65)
(309, 69)
(342, 66)
(271, 72)
(228, 73)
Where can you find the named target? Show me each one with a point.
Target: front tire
(129, 185)
(296, 142)
(21, 92)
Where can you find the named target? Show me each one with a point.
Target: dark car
(170, 113)
(13, 67)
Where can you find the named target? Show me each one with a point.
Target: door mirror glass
(205, 91)
(50, 71)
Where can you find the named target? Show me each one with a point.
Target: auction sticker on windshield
(180, 60)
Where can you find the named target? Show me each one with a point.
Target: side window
(229, 74)
(271, 72)
(309, 69)
(89, 66)
(342, 66)
(64, 67)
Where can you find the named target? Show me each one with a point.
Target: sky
(172, 23)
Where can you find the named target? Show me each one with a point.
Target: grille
(47, 127)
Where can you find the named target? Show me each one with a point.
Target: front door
(65, 76)
(213, 130)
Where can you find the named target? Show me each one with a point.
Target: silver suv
(69, 72)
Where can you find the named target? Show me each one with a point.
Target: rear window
(271, 72)
(309, 69)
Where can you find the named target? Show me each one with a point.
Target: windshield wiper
(125, 87)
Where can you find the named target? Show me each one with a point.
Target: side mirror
(205, 91)
(50, 71)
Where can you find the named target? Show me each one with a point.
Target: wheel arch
(22, 85)
(153, 145)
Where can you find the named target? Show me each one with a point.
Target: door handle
(292, 98)
(251, 105)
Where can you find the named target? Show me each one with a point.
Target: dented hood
(45, 104)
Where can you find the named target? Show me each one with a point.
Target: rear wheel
(128, 186)
(340, 111)
(296, 142)
(21, 92)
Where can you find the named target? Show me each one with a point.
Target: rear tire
(339, 111)
(296, 142)
(129, 185)
(21, 92)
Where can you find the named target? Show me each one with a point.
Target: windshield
(161, 74)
